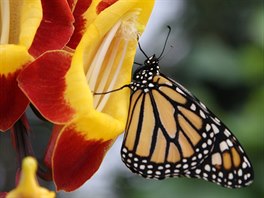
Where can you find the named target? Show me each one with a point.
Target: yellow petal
(13, 102)
(21, 21)
(12, 58)
(31, 15)
(105, 55)
(28, 186)
(98, 126)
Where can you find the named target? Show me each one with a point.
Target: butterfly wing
(170, 133)
(228, 164)
(167, 131)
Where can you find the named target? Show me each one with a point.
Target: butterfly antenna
(166, 53)
(165, 42)
(141, 48)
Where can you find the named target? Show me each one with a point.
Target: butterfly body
(143, 76)
(170, 133)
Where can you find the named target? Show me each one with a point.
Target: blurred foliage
(224, 69)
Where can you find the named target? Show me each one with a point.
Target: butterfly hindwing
(228, 164)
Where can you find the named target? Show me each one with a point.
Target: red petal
(13, 102)
(71, 3)
(43, 81)
(54, 136)
(55, 28)
(76, 159)
(3, 194)
(104, 4)
(79, 24)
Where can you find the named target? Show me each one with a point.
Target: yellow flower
(28, 186)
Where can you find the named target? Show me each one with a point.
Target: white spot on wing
(227, 133)
(207, 168)
(244, 165)
(240, 173)
(216, 159)
(179, 90)
(209, 142)
(223, 146)
(150, 166)
(124, 150)
(203, 105)
(230, 176)
(230, 144)
(185, 166)
(158, 173)
(208, 127)
(168, 83)
(198, 171)
(167, 165)
(150, 85)
(193, 107)
(215, 128)
(149, 171)
(202, 114)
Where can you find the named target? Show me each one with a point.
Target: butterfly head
(151, 61)
(147, 71)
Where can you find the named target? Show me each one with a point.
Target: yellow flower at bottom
(28, 186)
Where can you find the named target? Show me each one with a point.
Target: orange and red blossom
(28, 29)
(87, 125)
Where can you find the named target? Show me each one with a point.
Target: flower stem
(21, 139)
(22, 144)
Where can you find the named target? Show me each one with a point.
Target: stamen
(5, 21)
(111, 86)
(107, 72)
(108, 61)
(97, 62)
(129, 29)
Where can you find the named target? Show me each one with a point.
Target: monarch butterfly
(170, 133)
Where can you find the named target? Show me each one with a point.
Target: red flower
(30, 28)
